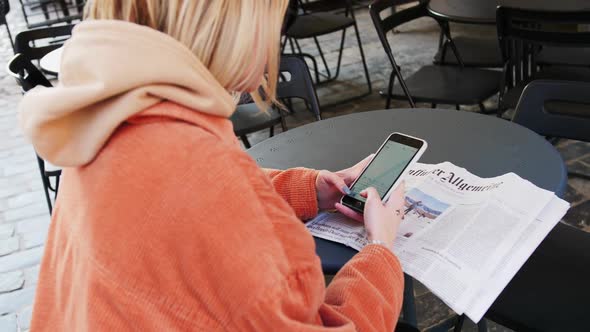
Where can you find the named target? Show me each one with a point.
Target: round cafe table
(484, 11)
(51, 61)
(484, 145)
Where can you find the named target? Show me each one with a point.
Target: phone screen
(384, 169)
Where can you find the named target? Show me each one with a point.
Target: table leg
(409, 305)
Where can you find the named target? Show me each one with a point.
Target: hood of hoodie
(110, 71)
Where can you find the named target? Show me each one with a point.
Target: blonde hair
(236, 39)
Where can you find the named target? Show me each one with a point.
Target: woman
(163, 223)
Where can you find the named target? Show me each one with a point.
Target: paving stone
(11, 281)
(431, 311)
(35, 224)
(32, 210)
(15, 168)
(13, 301)
(21, 259)
(579, 167)
(24, 317)
(572, 195)
(8, 246)
(6, 231)
(34, 239)
(31, 275)
(25, 198)
(573, 150)
(419, 289)
(579, 215)
(8, 323)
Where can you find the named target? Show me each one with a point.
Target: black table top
(484, 145)
(484, 11)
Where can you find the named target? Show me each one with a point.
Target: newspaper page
(519, 253)
(458, 229)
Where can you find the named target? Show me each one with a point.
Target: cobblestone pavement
(24, 218)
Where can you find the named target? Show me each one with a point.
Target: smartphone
(384, 172)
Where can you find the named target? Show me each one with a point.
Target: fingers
(373, 198)
(365, 161)
(336, 181)
(397, 197)
(350, 174)
(349, 212)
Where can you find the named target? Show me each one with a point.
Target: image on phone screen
(385, 168)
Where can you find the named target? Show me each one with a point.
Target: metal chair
(26, 41)
(564, 56)
(4, 9)
(556, 109)
(523, 34)
(319, 23)
(28, 77)
(475, 52)
(295, 82)
(550, 292)
(432, 84)
(44, 13)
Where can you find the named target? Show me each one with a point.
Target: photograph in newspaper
(420, 210)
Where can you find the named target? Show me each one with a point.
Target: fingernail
(346, 190)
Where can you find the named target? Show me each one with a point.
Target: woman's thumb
(373, 196)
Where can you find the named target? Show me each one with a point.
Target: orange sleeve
(371, 279)
(366, 295)
(297, 187)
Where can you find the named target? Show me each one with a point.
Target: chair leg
(482, 108)
(459, 324)
(292, 46)
(284, 44)
(447, 31)
(390, 90)
(433, 105)
(317, 43)
(358, 39)
(10, 38)
(315, 66)
(272, 131)
(482, 326)
(44, 180)
(339, 62)
(440, 40)
(409, 305)
(457, 107)
(245, 141)
(298, 46)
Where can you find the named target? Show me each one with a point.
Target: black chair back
(25, 73)
(299, 84)
(393, 19)
(28, 77)
(523, 32)
(550, 292)
(534, 110)
(4, 9)
(25, 40)
(326, 5)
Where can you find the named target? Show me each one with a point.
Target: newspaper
(463, 237)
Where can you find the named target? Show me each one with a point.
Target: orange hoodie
(172, 227)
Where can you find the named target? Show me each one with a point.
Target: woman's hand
(331, 186)
(381, 220)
